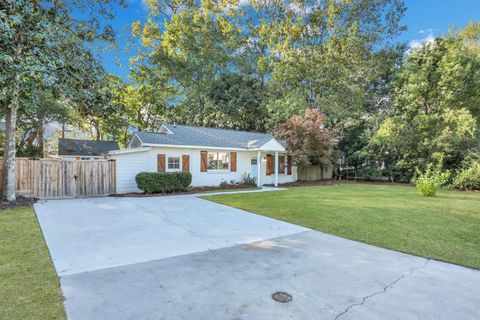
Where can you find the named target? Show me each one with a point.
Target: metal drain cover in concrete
(281, 297)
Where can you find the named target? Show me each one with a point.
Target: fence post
(114, 175)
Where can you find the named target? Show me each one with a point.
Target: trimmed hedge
(163, 182)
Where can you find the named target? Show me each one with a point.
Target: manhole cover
(281, 297)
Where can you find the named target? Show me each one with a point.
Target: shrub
(247, 179)
(431, 180)
(163, 182)
(468, 178)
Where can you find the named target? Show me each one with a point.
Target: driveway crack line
(384, 290)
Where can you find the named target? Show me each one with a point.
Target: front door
(253, 167)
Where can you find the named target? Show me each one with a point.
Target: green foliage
(43, 49)
(163, 182)
(436, 98)
(468, 177)
(228, 63)
(411, 142)
(231, 101)
(239, 103)
(431, 180)
(119, 107)
(282, 103)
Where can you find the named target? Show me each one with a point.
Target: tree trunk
(40, 136)
(11, 107)
(98, 134)
(262, 85)
(10, 148)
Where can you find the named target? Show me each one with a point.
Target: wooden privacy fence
(58, 178)
(313, 173)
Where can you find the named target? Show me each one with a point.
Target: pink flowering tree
(307, 140)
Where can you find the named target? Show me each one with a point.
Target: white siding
(203, 178)
(128, 165)
(273, 145)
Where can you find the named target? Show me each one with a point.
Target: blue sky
(424, 19)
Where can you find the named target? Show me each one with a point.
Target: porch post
(276, 169)
(259, 169)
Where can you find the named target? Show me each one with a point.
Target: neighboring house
(55, 130)
(85, 149)
(211, 155)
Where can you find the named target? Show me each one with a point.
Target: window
(282, 164)
(218, 161)
(173, 163)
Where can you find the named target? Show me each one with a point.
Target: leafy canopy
(302, 54)
(436, 107)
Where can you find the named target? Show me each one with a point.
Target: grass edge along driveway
(445, 227)
(29, 287)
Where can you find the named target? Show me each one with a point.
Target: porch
(272, 167)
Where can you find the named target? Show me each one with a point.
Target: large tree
(436, 99)
(42, 45)
(302, 54)
(189, 45)
(235, 102)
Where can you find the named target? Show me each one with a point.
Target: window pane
(173, 163)
(223, 161)
(281, 164)
(212, 160)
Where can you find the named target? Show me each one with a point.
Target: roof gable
(77, 147)
(273, 145)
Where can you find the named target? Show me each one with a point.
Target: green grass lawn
(445, 227)
(29, 287)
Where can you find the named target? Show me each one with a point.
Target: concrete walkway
(262, 189)
(182, 257)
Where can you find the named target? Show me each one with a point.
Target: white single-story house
(211, 155)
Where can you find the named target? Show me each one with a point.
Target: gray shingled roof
(208, 137)
(75, 147)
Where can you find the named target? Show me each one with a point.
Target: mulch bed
(20, 202)
(192, 190)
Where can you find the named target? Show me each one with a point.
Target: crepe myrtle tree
(307, 140)
(42, 44)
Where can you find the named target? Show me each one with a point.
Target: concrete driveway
(182, 257)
